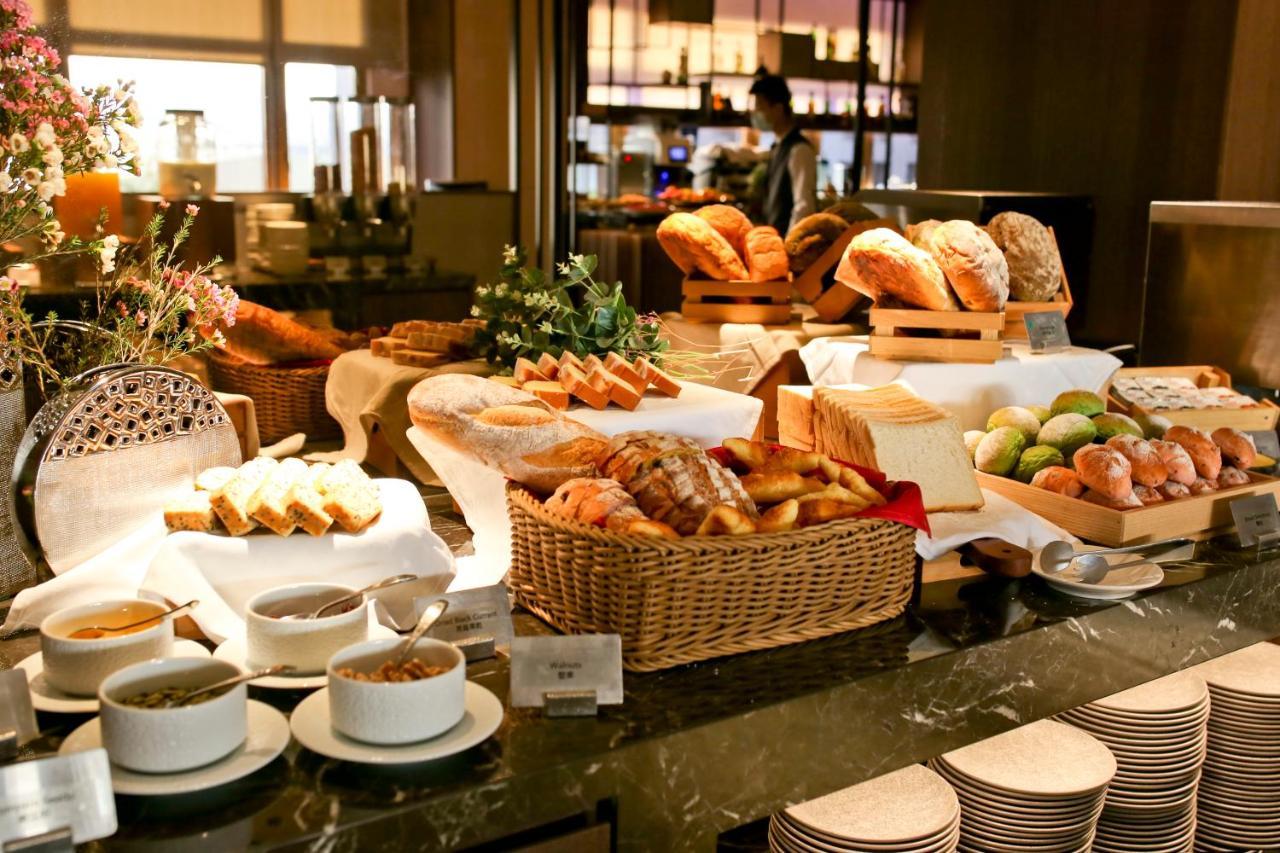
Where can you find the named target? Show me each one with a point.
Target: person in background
(791, 187)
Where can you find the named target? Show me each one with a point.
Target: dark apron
(777, 194)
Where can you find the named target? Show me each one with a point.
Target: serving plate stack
(1157, 732)
(1239, 802)
(1036, 788)
(912, 809)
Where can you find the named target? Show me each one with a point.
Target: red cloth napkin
(904, 503)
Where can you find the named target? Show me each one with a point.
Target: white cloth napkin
(969, 391)
(999, 518)
(224, 572)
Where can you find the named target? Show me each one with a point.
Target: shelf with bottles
(619, 114)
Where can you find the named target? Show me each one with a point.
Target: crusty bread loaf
(263, 336)
(880, 263)
(810, 237)
(1205, 455)
(1035, 270)
(1104, 470)
(598, 501)
(974, 266)
(694, 245)
(920, 233)
(1177, 462)
(1237, 447)
(766, 255)
(505, 428)
(732, 224)
(891, 430)
(1058, 479)
(1148, 467)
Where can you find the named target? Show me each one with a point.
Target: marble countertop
(708, 749)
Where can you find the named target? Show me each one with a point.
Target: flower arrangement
(528, 313)
(48, 130)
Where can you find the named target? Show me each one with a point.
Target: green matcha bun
(1079, 402)
(1023, 420)
(999, 451)
(1068, 433)
(1153, 426)
(1036, 458)
(1114, 423)
(1042, 413)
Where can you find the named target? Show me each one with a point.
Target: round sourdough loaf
(732, 224)
(1035, 270)
(693, 244)
(881, 262)
(507, 429)
(766, 256)
(810, 237)
(972, 263)
(920, 232)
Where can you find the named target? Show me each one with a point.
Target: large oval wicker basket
(691, 599)
(286, 398)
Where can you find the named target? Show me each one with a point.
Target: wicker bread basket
(286, 398)
(680, 601)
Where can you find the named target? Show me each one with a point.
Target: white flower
(107, 162)
(31, 175)
(475, 310)
(5, 181)
(218, 338)
(563, 269)
(578, 260)
(52, 156)
(19, 143)
(500, 290)
(44, 135)
(509, 254)
(46, 190)
(482, 290)
(135, 112)
(95, 131)
(107, 253)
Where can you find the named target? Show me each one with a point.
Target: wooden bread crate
(711, 301)
(1261, 417)
(838, 299)
(986, 348)
(1015, 327)
(1194, 516)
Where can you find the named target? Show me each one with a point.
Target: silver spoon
(91, 628)
(382, 584)
(278, 669)
(1056, 556)
(433, 612)
(1092, 567)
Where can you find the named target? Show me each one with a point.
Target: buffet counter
(707, 749)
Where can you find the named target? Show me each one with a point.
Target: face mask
(759, 122)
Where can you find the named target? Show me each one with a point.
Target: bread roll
(732, 224)
(881, 262)
(1035, 270)
(694, 245)
(1058, 479)
(598, 501)
(507, 429)
(1176, 461)
(1200, 447)
(1147, 495)
(1148, 468)
(921, 233)
(1230, 476)
(263, 336)
(1172, 490)
(766, 255)
(1237, 447)
(1104, 470)
(810, 237)
(1129, 501)
(972, 263)
(1203, 486)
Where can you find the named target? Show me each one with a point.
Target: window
(308, 126)
(223, 90)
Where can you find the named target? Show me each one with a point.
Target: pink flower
(8, 285)
(164, 204)
(140, 318)
(192, 209)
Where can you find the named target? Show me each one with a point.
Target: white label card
(481, 613)
(48, 794)
(16, 713)
(1257, 519)
(1047, 331)
(583, 662)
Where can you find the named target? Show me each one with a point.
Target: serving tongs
(1092, 566)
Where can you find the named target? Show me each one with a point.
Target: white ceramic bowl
(397, 712)
(304, 644)
(79, 666)
(169, 740)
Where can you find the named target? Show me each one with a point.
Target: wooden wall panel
(1122, 101)
(1251, 132)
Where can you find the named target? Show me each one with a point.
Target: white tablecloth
(705, 414)
(969, 391)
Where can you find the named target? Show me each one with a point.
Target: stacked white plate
(910, 811)
(1240, 789)
(1157, 733)
(1037, 788)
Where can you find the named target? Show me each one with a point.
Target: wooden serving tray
(986, 348)
(1015, 327)
(1195, 516)
(1262, 417)
(837, 300)
(766, 302)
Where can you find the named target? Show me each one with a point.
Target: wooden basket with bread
(687, 554)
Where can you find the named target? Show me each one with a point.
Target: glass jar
(187, 156)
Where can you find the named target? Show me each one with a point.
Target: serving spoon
(373, 587)
(1092, 567)
(1058, 555)
(278, 669)
(433, 612)
(87, 633)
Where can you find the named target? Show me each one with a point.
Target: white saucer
(1121, 583)
(235, 650)
(46, 697)
(310, 724)
(268, 735)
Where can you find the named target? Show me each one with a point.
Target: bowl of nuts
(374, 699)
